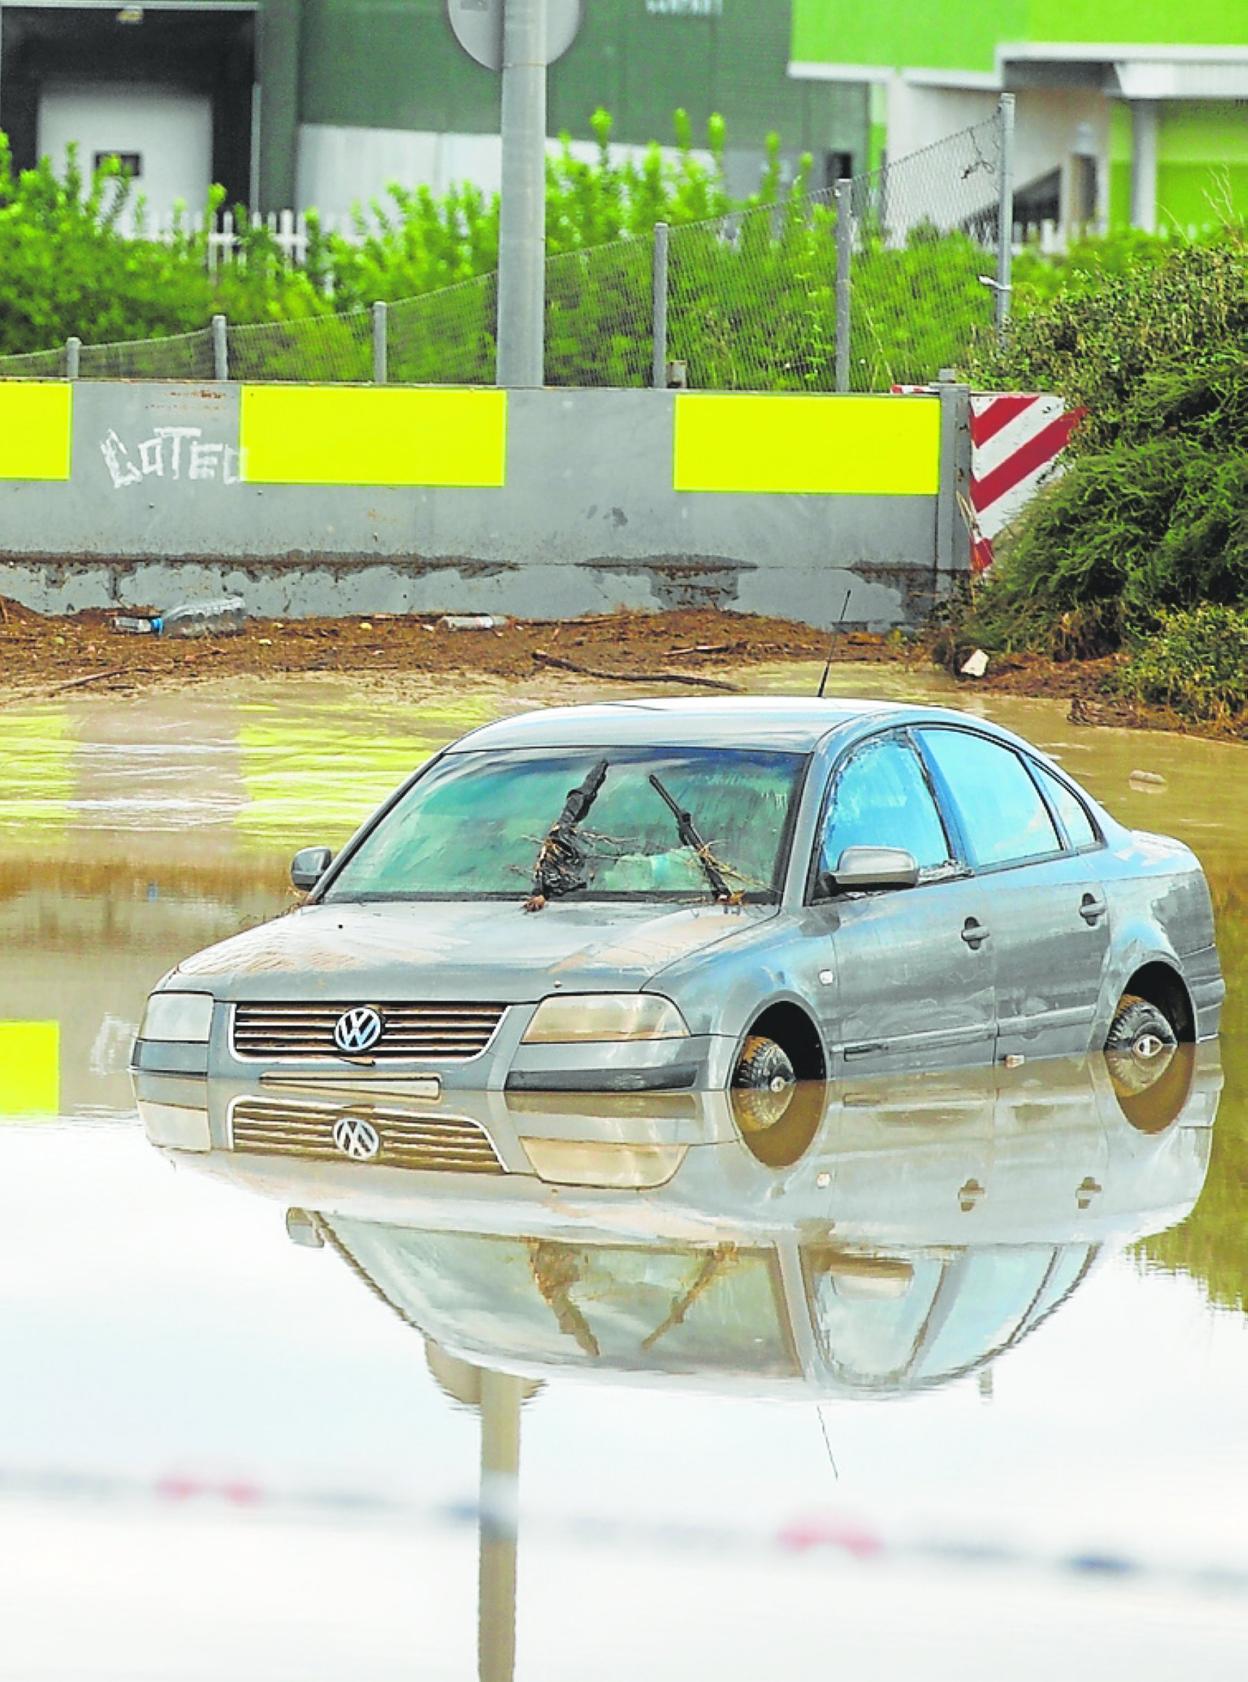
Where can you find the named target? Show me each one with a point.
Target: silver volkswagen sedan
(657, 895)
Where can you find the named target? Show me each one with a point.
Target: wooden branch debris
(91, 677)
(544, 659)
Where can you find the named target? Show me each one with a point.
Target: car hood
(488, 950)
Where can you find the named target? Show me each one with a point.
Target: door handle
(1092, 907)
(974, 934)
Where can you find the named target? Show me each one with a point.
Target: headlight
(185, 1017)
(605, 1016)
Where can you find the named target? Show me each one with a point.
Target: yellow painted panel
(807, 446)
(372, 435)
(30, 1068)
(35, 426)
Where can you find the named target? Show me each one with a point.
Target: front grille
(452, 1143)
(442, 1033)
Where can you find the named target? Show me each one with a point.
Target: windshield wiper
(689, 835)
(560, 865)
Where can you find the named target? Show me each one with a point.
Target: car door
(908, 981)
(1047, 914)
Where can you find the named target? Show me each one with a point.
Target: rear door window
(1002, 816)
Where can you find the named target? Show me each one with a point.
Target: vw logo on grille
(358, 1029)
(356, 1138)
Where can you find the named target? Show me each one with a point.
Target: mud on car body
(659, 895)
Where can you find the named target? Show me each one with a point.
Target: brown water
(161, 1336)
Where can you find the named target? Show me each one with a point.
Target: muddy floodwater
(957, 1387)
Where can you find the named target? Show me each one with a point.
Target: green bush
(1151, 514)
(1196, 662)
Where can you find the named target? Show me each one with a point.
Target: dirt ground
(42, 657)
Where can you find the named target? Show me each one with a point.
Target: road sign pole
(522, 225)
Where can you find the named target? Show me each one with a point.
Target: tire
(778, 1116)
(764, 1066)
(1141, 1031)
(1139, 1049)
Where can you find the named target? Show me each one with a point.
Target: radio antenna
(827, 665)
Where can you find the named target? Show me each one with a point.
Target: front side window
(472, 827)
(880, 798)
(1003, 818)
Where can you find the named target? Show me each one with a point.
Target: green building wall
(936, 35)
(1202, 163)
(395, 64)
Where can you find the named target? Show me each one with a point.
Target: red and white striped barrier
(1016, 439)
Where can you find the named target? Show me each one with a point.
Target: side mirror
(308, 866)
(859, 868)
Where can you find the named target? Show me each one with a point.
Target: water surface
(230, 1455)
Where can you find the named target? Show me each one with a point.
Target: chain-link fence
(884, 280)
(181, 356)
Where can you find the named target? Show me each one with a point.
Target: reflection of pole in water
(501, 1395)
(497, 1398)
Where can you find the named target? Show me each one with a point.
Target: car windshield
(473, 825)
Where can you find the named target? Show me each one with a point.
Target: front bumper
(695, 1063)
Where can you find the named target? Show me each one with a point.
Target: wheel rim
(1148, 1046)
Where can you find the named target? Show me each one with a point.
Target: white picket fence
(288, 229)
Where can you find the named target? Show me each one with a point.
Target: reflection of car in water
(690, 895)
(875, 1237)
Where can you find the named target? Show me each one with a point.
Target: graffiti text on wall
(172, 452)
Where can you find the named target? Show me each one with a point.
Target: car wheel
(764, 1066)
(1139, 1052)
(777, 1115)
(1142, 1032)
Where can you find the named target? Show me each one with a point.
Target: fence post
(379, 343)
(953, 535)
(658, 307)
(844, 257)
(220, 349)
(1005, 211)
(73, 350)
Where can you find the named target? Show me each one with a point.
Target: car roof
(793, 724)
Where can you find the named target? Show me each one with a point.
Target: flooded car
(659, 896)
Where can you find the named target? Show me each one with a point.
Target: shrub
(1151, 514)
(1196, 663)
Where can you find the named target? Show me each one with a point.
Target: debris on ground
(41, 655)
(975, 665)
(472, 622)
(223, 616)
(39, 652)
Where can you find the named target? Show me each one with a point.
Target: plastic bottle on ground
(222, 616)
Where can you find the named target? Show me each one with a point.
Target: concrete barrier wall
(350, 499)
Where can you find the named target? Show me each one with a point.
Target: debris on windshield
(690, 837)
(561, 860)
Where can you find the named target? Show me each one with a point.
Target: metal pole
(658, 375)
(522, 224)
(220, 349)
(73, 350)
(844, 257)
(379, 343)
(1005, 211)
